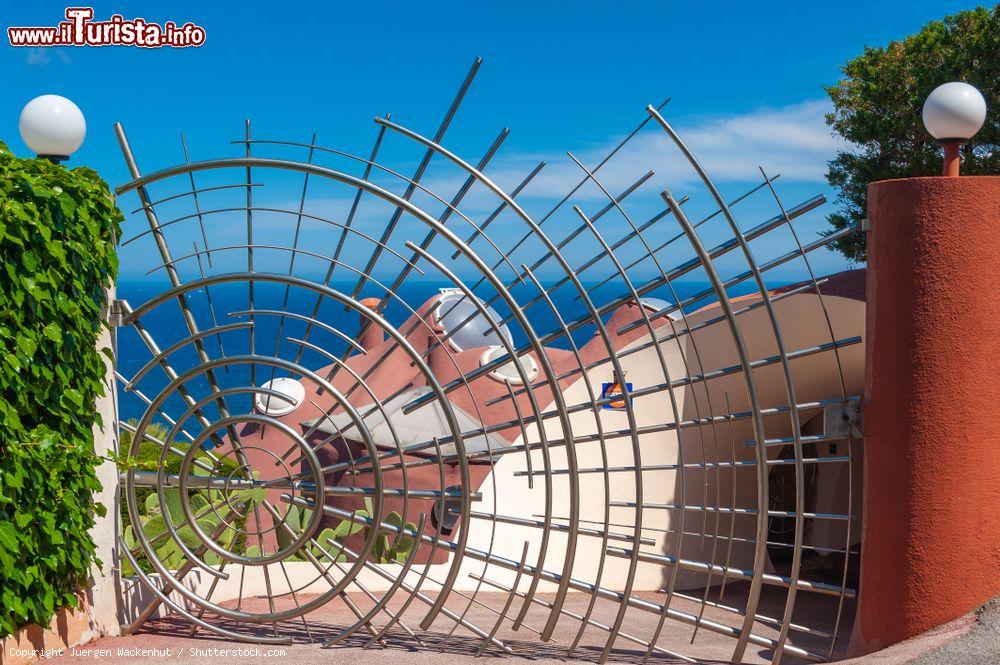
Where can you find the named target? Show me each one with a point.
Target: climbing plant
(58, 229)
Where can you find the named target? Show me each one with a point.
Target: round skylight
(658, 304)
(272, 405)
(508, 371)
(456, 312)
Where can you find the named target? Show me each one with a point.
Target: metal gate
(609, 418)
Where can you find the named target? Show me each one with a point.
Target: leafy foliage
(877, 108)
(210, 508)
(210, 502)
(389, 547)
(58, 230)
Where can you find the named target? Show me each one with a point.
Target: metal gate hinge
(114, 312)
(842, 420)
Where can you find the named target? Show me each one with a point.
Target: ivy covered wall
(58, 229)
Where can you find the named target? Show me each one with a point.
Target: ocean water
(223, 303)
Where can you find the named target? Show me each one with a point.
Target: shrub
(148, 459)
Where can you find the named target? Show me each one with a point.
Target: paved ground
(175, 642)
(979, 645)
(973, 639)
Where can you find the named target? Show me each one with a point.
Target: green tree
(877, 109)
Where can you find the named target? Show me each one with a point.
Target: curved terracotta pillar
(372, 335)
(931, 544)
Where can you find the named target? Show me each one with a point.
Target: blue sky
(746, 82)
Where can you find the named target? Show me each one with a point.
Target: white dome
(52, 126)
(466, 326)
(954, 110)
(272, 405)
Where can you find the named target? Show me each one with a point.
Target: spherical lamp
(53, 127)
(952, 114)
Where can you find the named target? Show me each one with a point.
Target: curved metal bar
(756, 419)
(510, 599)
(133, 511)
(547, 368)
(195, 192)
(789, 388)
(574, 486)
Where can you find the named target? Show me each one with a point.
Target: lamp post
(952, 114)
(53, 127)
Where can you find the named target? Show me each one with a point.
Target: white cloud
(791, 140)
(42, 56)
(37, 56)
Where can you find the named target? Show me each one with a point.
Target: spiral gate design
(576, 425)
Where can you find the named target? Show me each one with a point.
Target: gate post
(105, 591)
(931, 535)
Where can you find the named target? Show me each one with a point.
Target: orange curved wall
(931, 543)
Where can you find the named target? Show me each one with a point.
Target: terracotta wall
(931, 544)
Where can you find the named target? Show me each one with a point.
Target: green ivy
(58, 229)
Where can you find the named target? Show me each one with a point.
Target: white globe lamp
(53, 127)
(952, 114)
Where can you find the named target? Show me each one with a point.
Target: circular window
(273, 405)
(465, 324)
(508, 371)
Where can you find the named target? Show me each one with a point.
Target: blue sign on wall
(613, 391)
